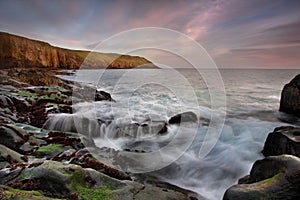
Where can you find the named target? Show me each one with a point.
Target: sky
(235, 33)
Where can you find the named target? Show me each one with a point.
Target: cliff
(22, 52)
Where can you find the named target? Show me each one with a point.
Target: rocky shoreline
(277, 176)
(36, 163)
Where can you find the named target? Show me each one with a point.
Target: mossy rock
(16, 194)
(50, 150)
(26, 94)
(274, 177)
(55, 179)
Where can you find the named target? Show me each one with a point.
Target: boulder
(145, 129)
(10, 138)
(283, 140)
(90, 93)
(290, 97)
(274, 177)
(101, 95)
(8, 156)
(183, 117)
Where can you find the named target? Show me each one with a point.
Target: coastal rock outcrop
(283, 140)
(290, 97)
(19, 52)
(274, 177)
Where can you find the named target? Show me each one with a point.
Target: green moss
(50, 149)
(272, 178)
(27, 94)
(85, 193)
(54, 96)
(16, 193)
(94, 194)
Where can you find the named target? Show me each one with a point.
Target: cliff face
(22, 52)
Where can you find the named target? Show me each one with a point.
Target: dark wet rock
(153, 192)
(103, 96)
(65, 156)
(32, 105)
(70, 139)
(19, 139)
(274, 177)
(10, 138)
(6, 175)
(183, 117)
(290, 97)
(8, 156)
(152, 180)
(147, 128)
(87, 161)
(283, 140)
(90, 93)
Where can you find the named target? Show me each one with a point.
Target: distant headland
(21, 52)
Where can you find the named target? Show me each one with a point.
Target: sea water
(250, 111)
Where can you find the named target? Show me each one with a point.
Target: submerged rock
(290, 97)
(183, 117)
(103, 96)
(283, 140)
(274, 177)
(140, 130)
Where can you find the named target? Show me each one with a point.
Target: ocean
(235, 113)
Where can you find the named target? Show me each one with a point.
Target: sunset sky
(236, 33)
